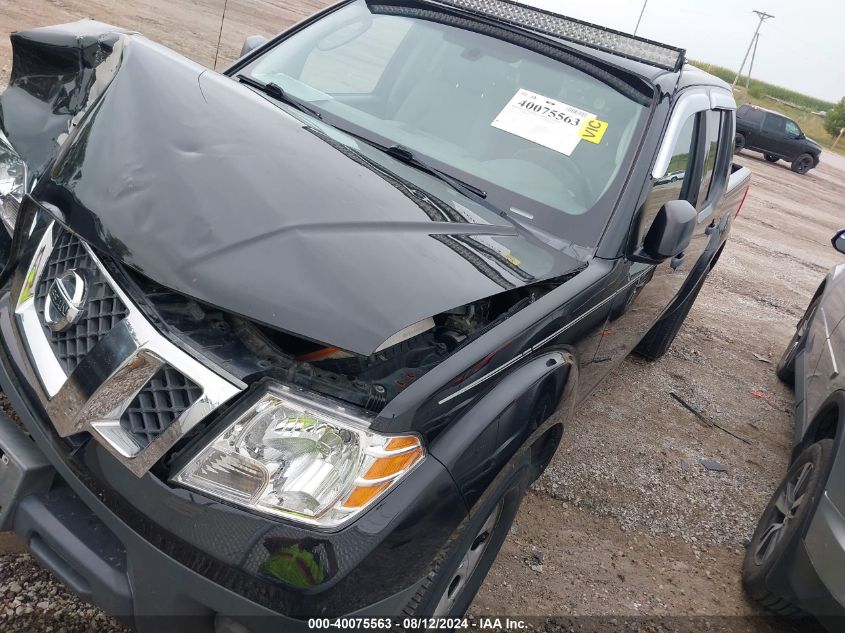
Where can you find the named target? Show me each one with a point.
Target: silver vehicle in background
(795, 563)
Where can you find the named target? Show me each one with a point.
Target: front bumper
(70, 531)
(162, 557)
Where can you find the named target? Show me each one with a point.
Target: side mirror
(838, 241)
(253, 42)
(670, 232)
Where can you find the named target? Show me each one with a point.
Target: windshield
(544, 140)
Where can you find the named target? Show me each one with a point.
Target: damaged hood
(216, 192)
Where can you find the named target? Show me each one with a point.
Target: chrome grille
(133, 390)
(164, 398)
(103, 311)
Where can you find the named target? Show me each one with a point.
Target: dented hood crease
(216, 192)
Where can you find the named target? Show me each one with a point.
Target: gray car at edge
(795, 563)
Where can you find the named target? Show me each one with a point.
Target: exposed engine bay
(252, 351)
(217, 291)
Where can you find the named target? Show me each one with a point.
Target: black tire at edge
(423, 603)
(754, 577)
(798, 161)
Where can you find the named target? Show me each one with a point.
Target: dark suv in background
(776, 137)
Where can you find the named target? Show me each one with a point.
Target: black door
(647, 289)
(793, 144)
(773, 136)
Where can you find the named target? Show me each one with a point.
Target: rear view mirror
(670, 232)
(838, 241)
(253, 42)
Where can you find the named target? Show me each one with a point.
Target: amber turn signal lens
(396, 457)
(398, 443)
(362, 495)
(388, 466)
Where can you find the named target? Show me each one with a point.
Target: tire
(786, 365)
(803, 164)
(739, 143)
(791, 507)
(462, 565)
(659, 338)
(771, 158)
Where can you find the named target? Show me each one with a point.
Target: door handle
(677, 261)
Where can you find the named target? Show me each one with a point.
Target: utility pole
(763, 17)
(751, 65)
(637, 28)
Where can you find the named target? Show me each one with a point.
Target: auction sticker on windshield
(553, 124)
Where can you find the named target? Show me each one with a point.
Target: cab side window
(775, 124)
(712, 132)
(792, 129)
(675, 185)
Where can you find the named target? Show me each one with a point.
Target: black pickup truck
(776, 137)
(291, 341)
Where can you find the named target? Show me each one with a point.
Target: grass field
(760, 88)
(760, 93)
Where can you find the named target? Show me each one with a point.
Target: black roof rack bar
(590, 35)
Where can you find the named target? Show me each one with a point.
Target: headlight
(293, 456)
(12, 183)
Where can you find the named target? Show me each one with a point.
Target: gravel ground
(627, 522)
(32, 600)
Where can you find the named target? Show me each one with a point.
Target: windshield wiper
(275, 91)
(406, 156)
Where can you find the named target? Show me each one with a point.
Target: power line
(763, 17)
(220, 34)
(637, 28)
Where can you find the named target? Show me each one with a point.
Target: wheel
(786, 365)
(659, 338)
(771, 158)
(782, 523)
(739, 143)
(462, 565)
(802, 164)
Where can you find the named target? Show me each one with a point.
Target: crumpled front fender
(58, 72)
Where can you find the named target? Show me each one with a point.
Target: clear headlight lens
(12, 183)
(296, 457)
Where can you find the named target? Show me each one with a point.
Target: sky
(801, 48)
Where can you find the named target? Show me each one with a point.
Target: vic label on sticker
(544, 121)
